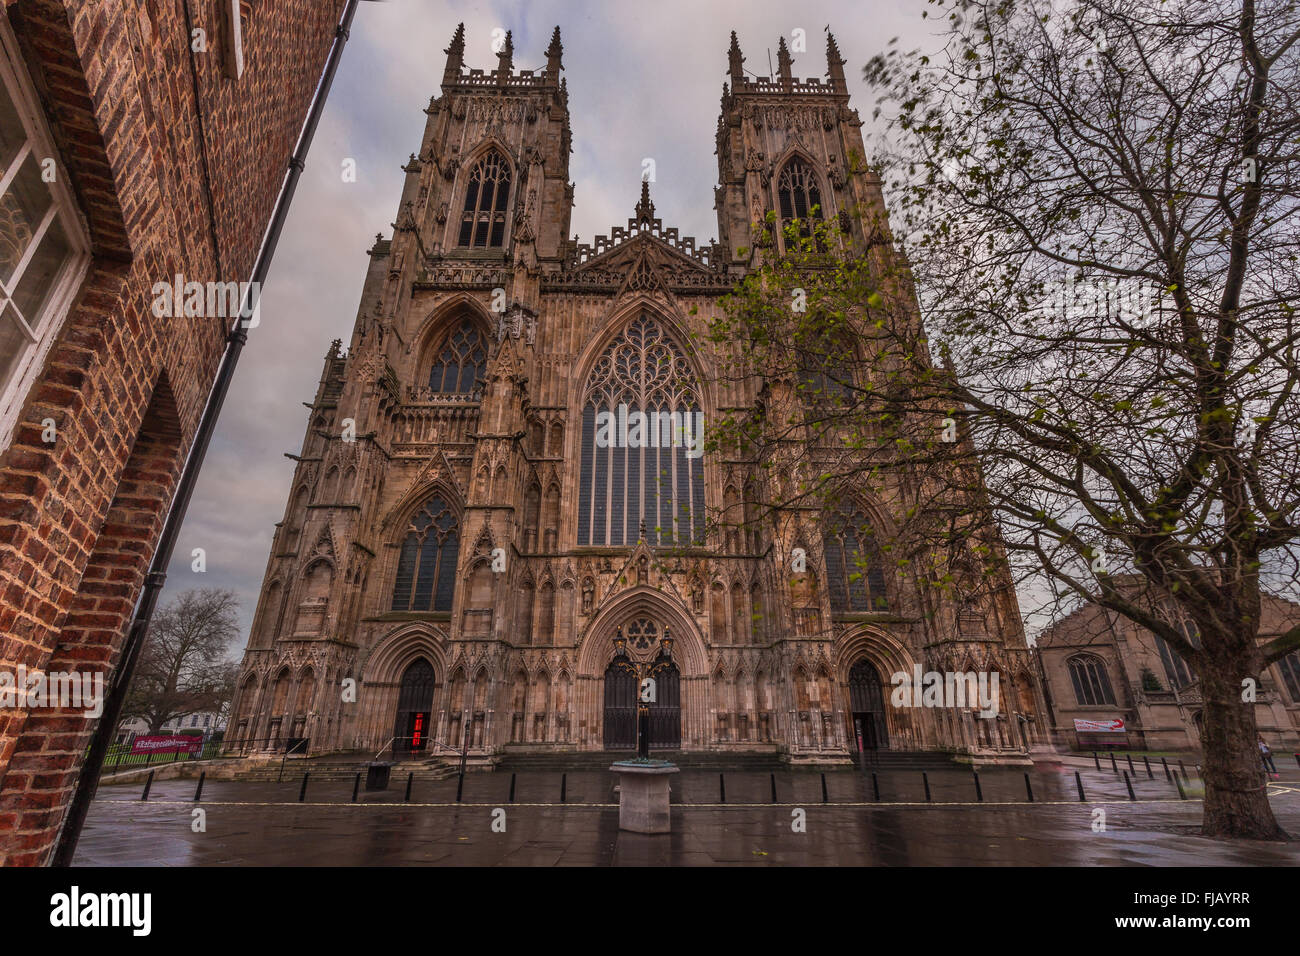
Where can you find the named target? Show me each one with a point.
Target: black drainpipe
(88, 779)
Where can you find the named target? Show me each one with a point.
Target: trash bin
(377, 775)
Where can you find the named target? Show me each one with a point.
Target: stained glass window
(642, 444)
(1091, 683)
(426, 567)
(853, 565)
(462, 362)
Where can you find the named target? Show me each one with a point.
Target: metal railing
(122, 756)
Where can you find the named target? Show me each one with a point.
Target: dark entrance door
(621, 700)
(620, 706)
(867, 704)
(414, 708)
(666, 709)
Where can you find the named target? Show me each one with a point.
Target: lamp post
(644, 670)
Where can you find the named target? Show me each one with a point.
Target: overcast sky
(644, 80)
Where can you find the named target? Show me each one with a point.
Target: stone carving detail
(517, 322)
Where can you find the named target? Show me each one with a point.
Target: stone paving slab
(261, 824)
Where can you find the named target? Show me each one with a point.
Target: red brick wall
(167, 186)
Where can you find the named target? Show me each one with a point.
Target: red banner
(1112, 726)
(167, 744)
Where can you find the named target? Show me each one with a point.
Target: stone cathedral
(462, 564)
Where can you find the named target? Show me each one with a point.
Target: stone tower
(468, 559)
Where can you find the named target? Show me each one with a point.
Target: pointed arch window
(426, 567)
(462, 363)
(854, 570)
(1290, 668)
(799, 195)
(483, 223)
(826, 361)
(1176, 669)
(1090, 680)
(641, 443)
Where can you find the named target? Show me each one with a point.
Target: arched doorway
(867, 704)
(414, 708)
(620, 706)
(644, 655)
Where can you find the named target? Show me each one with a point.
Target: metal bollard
(875, 786)
(302, 791)
(1147, 763)
(825, 795)
(356, 787)
(722, 789)
(512, 788)
(198, 791)
(1129, 758)
(1165, 763)
(1096, 759)
(564, 787)
(410, 778)
(925, 779)
(1078, 782)
(1029, 788)
(460, 785)
(1179, 784)
(1186, 779)
(148, 785)
(773, 776)
(1129, 784)
(979, 791)
(1114, 768)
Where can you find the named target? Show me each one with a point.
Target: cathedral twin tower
(463, 563)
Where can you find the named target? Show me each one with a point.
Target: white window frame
(14, 392)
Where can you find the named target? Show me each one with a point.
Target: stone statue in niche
(588, 595)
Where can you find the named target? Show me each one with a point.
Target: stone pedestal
(643, 795)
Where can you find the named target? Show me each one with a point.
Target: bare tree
(1099, 199)
(183, 668)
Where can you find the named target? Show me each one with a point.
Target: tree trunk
(1236, 800)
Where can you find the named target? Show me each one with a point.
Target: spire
(835, 64)
(783, 62)
(506, 60)
(455, 56)
(553, 54)
(645, 209)
(734, 63)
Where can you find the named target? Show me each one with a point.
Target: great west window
(651, 477)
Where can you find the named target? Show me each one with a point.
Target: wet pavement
(262, 824)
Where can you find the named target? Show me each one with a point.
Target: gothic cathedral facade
(462, 564)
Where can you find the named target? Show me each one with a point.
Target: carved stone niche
(518, 322)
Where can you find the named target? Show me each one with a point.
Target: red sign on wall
(167, 744)
(1113, 726)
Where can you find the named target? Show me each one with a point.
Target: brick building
(141, 140)
(461, 562)
(1100, 667)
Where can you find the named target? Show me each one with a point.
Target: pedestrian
(1266, 756)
